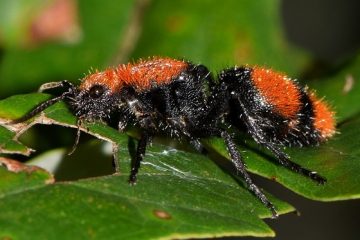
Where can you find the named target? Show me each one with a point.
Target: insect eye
(96, 91)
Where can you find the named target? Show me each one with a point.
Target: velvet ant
(184, 100)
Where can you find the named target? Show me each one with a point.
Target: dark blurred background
(330, 30)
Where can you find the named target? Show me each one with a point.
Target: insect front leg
(144, 119)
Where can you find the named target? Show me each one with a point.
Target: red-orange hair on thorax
(140, 75)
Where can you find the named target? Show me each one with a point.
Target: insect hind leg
(281, 157)
(241, 169)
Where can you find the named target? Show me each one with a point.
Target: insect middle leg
(140, 152)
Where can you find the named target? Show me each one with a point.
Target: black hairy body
(191, 104)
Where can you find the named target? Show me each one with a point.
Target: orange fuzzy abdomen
(324, 120)
(278, 90)
(284, 96)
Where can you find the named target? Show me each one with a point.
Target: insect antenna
(41, 107)
(78, 133)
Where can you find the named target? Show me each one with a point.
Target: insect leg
(281, 157)
(241, 169)
(197, 145)
(140, 152)
(285, 161)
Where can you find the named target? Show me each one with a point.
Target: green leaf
(17, 177)
(9, 145)
(24, 104)
(336, 160)
(178, 195)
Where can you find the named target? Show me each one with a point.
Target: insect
(184, 100)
